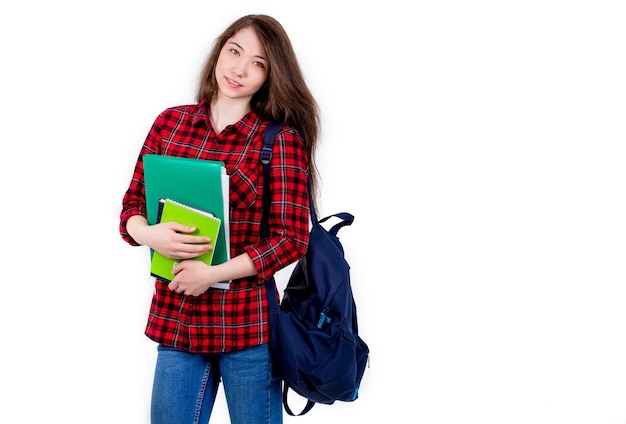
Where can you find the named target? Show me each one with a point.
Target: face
(241, 68)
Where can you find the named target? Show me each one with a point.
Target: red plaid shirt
(228, 320)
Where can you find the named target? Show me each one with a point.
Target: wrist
(135, 226)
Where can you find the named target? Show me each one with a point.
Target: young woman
(207, 335)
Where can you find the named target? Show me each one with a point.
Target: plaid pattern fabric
(227, 320)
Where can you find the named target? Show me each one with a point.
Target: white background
(479, 144)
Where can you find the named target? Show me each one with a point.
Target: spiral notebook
(207, 225)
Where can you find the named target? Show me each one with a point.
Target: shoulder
(284, 135)
(289, 144)
(253, 126)
(289, 136)
(285, 132)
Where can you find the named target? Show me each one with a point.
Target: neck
(227, 112)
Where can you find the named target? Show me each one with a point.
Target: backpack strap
(271, 131)
(309, 404)
(345, 217)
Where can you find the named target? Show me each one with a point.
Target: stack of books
(191, 192)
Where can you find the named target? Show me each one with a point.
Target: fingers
(179, 228)
(191, 250)
(178, 233)
(195, 240)
(184, 234)
(173, 286)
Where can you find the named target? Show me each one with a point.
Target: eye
(235, 52)
(258, 64)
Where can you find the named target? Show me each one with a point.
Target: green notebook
(199, 183)
(206, 224)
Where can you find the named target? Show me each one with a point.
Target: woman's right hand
(170, 239)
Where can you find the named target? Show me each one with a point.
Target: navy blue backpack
(314, 341)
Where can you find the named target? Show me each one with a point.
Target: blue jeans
(185, 386)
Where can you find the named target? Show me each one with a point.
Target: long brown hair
(285, 96)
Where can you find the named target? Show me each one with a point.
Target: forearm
(238, 267)
(195, 277)
(134, 227)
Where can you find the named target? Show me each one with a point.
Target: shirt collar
(201, 115)
(248, 123)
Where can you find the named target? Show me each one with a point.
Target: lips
(232, 83)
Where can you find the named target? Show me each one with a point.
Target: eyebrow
(238, 45)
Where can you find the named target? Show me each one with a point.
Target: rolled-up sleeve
(134, 200)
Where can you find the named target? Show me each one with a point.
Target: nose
(240, 68)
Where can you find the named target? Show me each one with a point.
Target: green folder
(199, 183)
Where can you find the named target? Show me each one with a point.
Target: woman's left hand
(191, 277)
